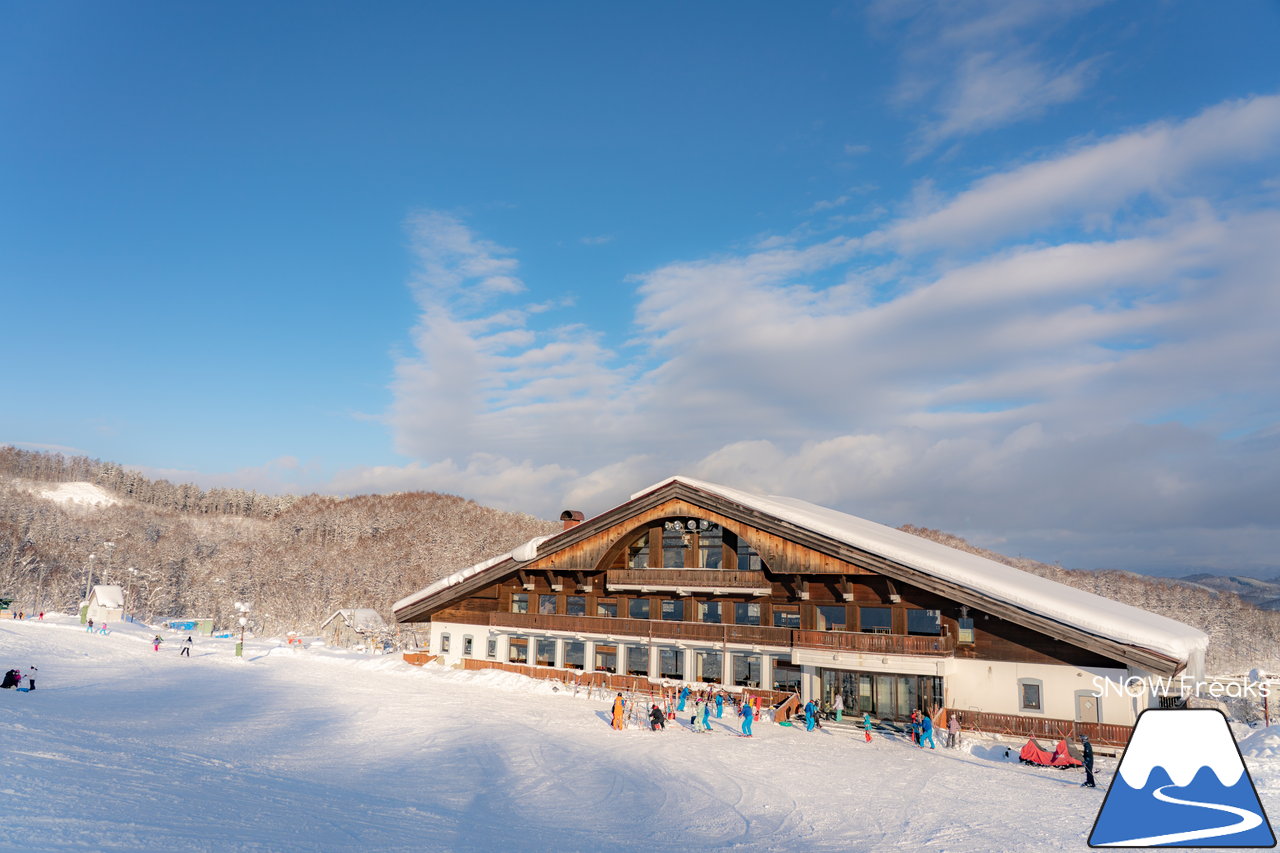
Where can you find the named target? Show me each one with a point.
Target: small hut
(106, 604)
(353, 628)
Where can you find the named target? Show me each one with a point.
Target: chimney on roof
(571, 518)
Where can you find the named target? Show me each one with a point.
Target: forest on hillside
(180, 551)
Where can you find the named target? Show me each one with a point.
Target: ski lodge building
(697, 583)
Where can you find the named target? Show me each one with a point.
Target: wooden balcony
(752, 635)
(711, 581)
(875, 644)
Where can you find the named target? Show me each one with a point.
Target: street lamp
(243, 610)
(128, 592)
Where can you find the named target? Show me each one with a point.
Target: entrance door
(1087, 708)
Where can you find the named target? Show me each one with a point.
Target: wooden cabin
(698, 583)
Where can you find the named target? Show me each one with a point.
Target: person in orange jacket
(618, 706)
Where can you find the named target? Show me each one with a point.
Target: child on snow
(156, 641)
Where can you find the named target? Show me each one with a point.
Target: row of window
(828, 617)
(745, 669)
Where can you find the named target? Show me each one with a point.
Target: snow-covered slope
(84, 494)
(122, 748)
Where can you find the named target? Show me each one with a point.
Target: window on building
(491, 651)
(575, 605)
(711, 547)
(876, 620)
(926, 622)
(607, 608)
(638, 608)
(519, 602)
(546, 653)
(518, 650)
(673, 610)
(637, 660)
(638, 553)
(547, 604)
(575, 654)
(746, 613)
(786, 616)
(708, 666)
(746, 670)
(606, 658)
(786, 675)
(444, 644)
(709, 611)
(676, 542)
(831, 617)
(671, 663)
(467, 646)
(964, 632)
(1030, 694)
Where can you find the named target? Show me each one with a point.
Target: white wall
(992, 686)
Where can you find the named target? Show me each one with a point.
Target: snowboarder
(657, 719)
(838, 706)
(926, 731)
(866, 724)
(619, 706)
(684, 694)
(953, 731)
(748, 714)
(719, 705)
(156, 641)
(1087, 750)
(186, 648)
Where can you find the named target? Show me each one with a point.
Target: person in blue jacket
(748, 714)
(719, 705)
(706, 716)
(926, 731)
(866, 724)
(810, 717)
(684, 694)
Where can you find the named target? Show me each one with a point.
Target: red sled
(1060, 757)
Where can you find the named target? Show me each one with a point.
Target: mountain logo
(1182, 783)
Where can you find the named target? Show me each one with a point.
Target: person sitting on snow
(657, 719)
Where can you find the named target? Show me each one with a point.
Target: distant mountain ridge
(1264, 594)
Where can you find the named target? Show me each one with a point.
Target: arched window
(690, 543)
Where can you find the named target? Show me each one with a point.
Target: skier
(866, 724)
(953, 731)
(838, 706)
(719, 705)
(684, 694)
(1088, 762)
(748, 714)
(706, 716)
(618, 707)
(657, 719)
(89, 630)
(699, 708)
(926, 731)
(186, 648)
(156, 641)
(810, 716)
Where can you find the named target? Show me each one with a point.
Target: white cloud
(1119, 379)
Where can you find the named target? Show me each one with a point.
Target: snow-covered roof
(108, 595)
(362, 620)
(1085, 611)
(1093, 613)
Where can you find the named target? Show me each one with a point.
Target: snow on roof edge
(523, 552)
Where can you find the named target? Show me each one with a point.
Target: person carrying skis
(866, 724)
(186, 648)
(1087, 750)
(748, 714)
(619, 706)
(156, 641)
(926, 731)
(657, 719)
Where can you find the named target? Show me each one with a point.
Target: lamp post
(243, 610)
(128, 592)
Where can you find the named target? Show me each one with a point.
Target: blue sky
(1006, 270)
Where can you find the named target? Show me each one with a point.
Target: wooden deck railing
(1046, 728)
(879, 644)
(692, 579)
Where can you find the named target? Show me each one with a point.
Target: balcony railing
(690, 579)
(762, 635)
